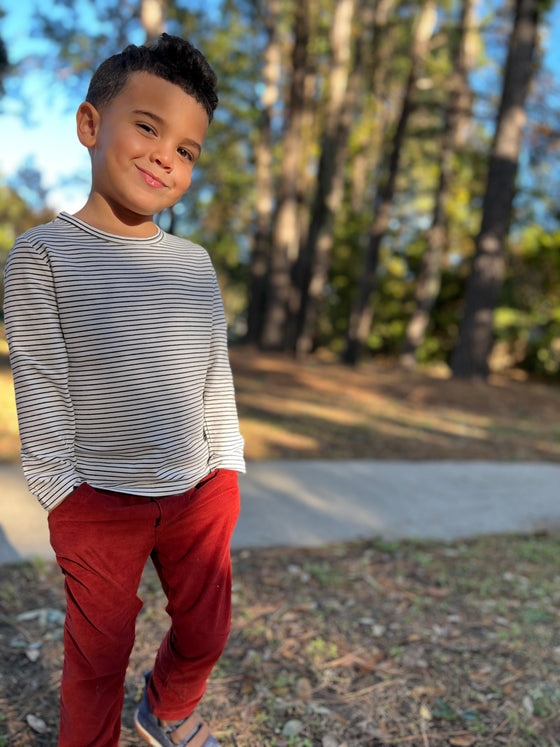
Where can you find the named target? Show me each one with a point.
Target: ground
(322, 410)
(358, 644)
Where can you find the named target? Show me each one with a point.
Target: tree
(454, 133)
(264, 177)
(313, 262)
(470, 357)
(362, 314)
(16, 216)
(286, 233)
(4, 64)
(152, 16)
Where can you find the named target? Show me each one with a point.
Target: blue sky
(44, 135)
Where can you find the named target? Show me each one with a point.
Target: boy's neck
(110, 221)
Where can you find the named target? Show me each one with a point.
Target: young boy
(130, 437)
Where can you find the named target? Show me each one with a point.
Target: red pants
(102, 541)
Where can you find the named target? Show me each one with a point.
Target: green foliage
(528, 322)
(16, 216)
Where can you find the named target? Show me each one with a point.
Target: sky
(44, 135)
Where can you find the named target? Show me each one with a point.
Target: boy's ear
(87, 121)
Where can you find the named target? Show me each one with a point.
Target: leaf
(33, 654)
(292, 728)
(443, 711)
(37, 724)
(462, 741)
(304, 689)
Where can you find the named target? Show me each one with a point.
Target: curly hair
(169, 57)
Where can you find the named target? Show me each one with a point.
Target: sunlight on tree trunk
(313, 261)
(152, 15)
(285, 241)
(264, 160)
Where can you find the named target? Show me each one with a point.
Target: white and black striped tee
(118, 348)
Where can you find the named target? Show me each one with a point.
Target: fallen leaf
(436, 591)
(426, 691)
(304, 690)
(33, 654)
(292, 728)
(425, 713)
(37, 724)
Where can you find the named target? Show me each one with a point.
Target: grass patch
(363, 643)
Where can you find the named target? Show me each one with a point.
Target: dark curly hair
(169, 57)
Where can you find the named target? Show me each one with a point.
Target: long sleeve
(39, 363)
(220, 412)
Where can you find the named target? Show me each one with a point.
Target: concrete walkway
(307, 503)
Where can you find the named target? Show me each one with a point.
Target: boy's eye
(146, 128)
(184, 153)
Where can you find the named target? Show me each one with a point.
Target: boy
(128, 423)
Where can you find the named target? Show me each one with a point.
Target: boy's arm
(39, 363)
(220, 412)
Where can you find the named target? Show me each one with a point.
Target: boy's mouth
(150, 179)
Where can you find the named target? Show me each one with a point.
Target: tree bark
(285, 240)
(369, 152)
(152, 16)
(456, 117)
(470, 358)
(313, 261)
(362, 313)
(264, 178)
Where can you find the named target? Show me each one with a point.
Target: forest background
(380, 180)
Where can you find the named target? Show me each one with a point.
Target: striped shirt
(118, 348)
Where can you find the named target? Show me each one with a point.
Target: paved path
(306, 503)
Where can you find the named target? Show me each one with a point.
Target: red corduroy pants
(102, 541)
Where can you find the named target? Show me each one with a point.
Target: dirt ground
(320, 409)
(351, 645)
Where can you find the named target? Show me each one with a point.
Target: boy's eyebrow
(161, 121)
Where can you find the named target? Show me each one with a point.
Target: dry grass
(362, 644)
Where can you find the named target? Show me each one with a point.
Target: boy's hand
(64, 499)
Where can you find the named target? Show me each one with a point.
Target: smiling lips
(151, 180)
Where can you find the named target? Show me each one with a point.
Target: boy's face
(143, 147)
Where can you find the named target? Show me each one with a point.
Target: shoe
(190, 732)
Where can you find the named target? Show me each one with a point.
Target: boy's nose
(162, 158)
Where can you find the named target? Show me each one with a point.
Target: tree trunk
(369, 152)
(470, 358)
(362, 313)
(285, 240)
(313, 261)
(456, 116)
(152, 16)
(264, 179)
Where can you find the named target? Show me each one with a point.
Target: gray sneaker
(190, 732)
